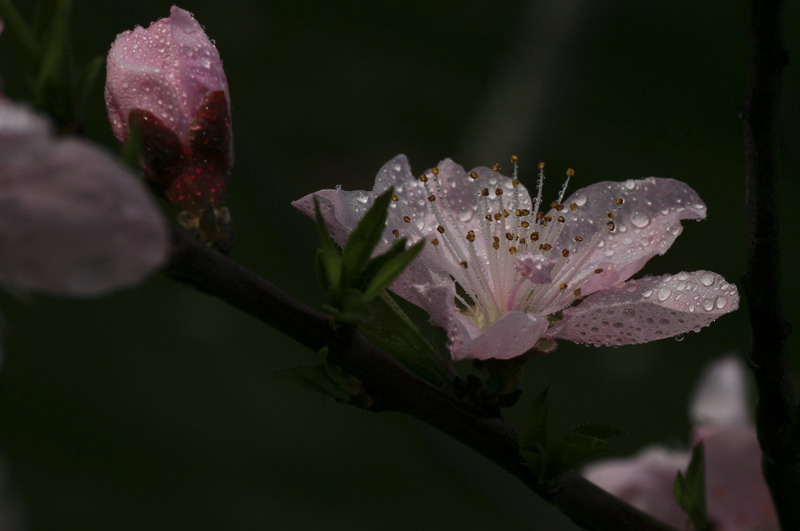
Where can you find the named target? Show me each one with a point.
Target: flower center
(503, 252)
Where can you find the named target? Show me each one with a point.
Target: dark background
(157, 409)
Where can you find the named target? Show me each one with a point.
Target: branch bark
(396, 388)
(768, 357)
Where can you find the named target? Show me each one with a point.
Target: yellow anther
(509, 236)
(619, 201)
(525, 224)
(577, 292)
(578, 238)
(395, 198)
(440, 229)
(498, 216)
(545, 247)
(407, 219)
(598, 270)
(488, 217)
(514, 158)
(435, 171)
(563, 285)
(495, 167)
(573, 206)
(534, 236)
(570, 172)
(474, 175)
(471, 235)
(565, 252)
(498, 191)
(463, 263)
(431, 198)
(541, 165)
(611, 215)
(396, 233)
(485, 192)
(512, 250)
(435, 242)
(514, 182)
(423, 178)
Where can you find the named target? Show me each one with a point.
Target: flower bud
(167, 82)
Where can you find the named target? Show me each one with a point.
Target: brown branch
(391, 384)
(768, 358)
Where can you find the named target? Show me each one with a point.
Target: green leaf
(52, 83)
(363, 240)
(329, 261)
(690, 490)
(389, 266)
(534, 433)
(86, 82)
(325, 379)
(391, 330)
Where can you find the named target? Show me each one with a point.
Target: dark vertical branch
(768, 358)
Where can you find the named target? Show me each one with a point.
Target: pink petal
(720, 399)
(73, 221)
(645, 481)
(736, 494)
(648, 309)
(166, 69)
(513, 334)
(645, 224)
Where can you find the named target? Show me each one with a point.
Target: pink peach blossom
(168, 79)
(501, 273)
(73, 221)
(736, 494)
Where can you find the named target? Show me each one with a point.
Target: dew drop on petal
(679, 338)
(707, 279)
(580, 200)
(630, 184)
(708, 305)
(663, 294)
(640, 220)
(647, 294)
(720, 302)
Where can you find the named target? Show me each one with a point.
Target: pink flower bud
(168, 80)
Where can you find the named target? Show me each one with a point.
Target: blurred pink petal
(736, 495)
(168, 78)
(646, 309)
(507, 260)
(73, 221)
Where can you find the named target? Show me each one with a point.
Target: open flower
(168, 80)
(73, 220)
(501, 273)
(736, 494)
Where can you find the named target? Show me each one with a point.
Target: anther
(512, 250)
(570, 172)
(431, 198)
(471, 236)
(526, 212)
(473, 175)
(498, 191)
(463, 263)
(423, 178)
(525, 224)
(435, 171)
(539, 215)
(619, 201)
(440, 229)
(561, 219)
(598, 270)
(611, 226)
(514, 182)
(495, 167)
(611, 215)
(407, 219)
(485, 192)
(514, 158)
(535, 236)
(578, 238)
(395, 198)
(565, 252)
(498, 216)
(509, 236)
(563, 285)
(541, 165)
(396, 233)
(488, 217)
(545, 247)
(573, 206)
(577, 292)
(435, 242)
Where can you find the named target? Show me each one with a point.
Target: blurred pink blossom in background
(736, 494)
(73, 220)
(168, 80)
(502, 272)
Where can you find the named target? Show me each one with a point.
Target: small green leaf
(690, 490)
(388, 269)
(391, 330)
(329, 261)
(325, 379)
(364, 238)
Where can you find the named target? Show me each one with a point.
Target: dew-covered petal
(645, 224)
(73, 221)
(513, 334)
(341, 210)
(166, 69)
(535, 268)
(736, 494)
(647, 309)
(645, 481)
(720, 398)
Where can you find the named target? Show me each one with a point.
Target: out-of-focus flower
(736, 494)
(168, 80)
(73, 221)
(500, 274)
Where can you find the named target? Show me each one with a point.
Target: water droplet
(682, 276)
(647, 294)
(640, 220)
(205, 62)
(663, 294)
(707, 279)
(679, 338)
(720, 302)
(630, 184)
(708, 305)
(579, 200)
